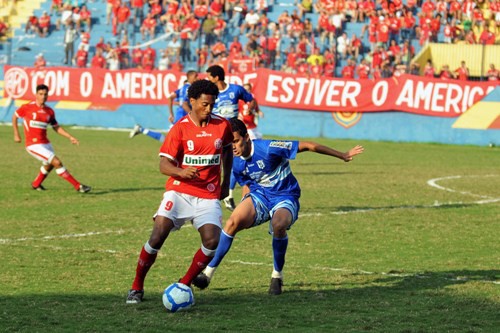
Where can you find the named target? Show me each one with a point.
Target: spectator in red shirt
(40, 61)
(493, 74)
(137, 7)
(148, 27)
(348, 70)
(122, 19)
(329, 68)
(383, 31)
(149, 58)
(356, 46)
(487, 37)
(137, 57)
(81, 57)
(98, 61)
(86, 17)
(32, 25)
(445, 73)
(363, 69)
(271, 47)
(3, 28)
(291, 59)
(429, 70)
(44, 24)
(462, 72)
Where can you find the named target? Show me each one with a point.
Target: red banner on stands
(414, 94)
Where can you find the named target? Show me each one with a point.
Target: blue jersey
(182, 95)
(226, 104)
(267, 170)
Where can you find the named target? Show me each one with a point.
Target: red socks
(200, 261)
(62, 172)
(40, 178)
(146, 260)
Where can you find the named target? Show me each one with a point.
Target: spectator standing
(122, 19)
(462, 72)
(348, 70)
(70, 36)
(98, 60)
(81, 57)
(429, 70)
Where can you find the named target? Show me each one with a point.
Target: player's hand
(189, 173)
(74, 141)
(353, 152)
(17, 138)
(171, 119)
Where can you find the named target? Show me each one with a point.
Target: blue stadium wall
(386, 126)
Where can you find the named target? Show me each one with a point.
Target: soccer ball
(177, 297)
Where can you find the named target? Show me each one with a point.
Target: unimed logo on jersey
(201, 160)
(281, 144)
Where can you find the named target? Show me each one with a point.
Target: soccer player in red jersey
(36, 118)
(192, 155)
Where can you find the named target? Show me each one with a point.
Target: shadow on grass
(432, 302)
(124, 190)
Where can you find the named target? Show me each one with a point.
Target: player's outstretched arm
(61, 131)
(17, 137)
(320, 149)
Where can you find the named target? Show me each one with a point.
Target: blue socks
(225, 243)
(155, 135)
(279, 251)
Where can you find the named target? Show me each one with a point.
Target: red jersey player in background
(248, 116)
(192, 155)
(36, 118)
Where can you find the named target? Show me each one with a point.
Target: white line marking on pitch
(431, 182)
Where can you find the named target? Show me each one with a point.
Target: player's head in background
(242, 145)
(191, 76)
(202, 95)
(215, 73)
(42, 93)
(248, 87)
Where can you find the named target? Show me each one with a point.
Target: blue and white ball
(177, 297)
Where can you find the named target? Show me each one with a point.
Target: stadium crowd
(227, 32)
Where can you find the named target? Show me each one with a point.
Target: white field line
(432, 182)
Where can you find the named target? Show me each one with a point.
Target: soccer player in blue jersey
(182, 109)
(271, 193)
(227, 106)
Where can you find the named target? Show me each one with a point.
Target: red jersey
(189, 145)
(36, 119)
(247, 117)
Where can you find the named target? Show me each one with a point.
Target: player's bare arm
(186, 107)
(61, 131)
(227, 165)
(320, 149)
(171, 106)
(168, 168)
(17, 137)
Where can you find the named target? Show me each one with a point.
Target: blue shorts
(266, 207)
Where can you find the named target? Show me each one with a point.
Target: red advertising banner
(407, 93)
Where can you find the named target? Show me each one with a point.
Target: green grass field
(403, 239)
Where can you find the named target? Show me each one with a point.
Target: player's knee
(211, 243)
(56, 162)
(231, 227)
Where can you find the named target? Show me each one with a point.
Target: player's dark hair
(202, 87)
(42, 87)
(238, 126)
(190, 73)
(216, 70)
